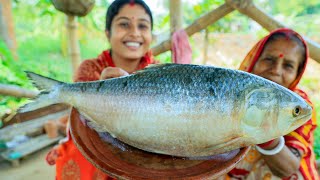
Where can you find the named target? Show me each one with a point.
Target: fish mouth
(302, 119)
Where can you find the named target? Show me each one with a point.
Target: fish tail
(49, 92)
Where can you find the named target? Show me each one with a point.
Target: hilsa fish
(180, 109)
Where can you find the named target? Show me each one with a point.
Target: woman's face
(130, 34)
(279, 61)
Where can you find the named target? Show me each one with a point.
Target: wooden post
(176, 16)
(248, 8)
(73, 8)
(196, 26)
(7, 32)
(205, 46)
(74, 49)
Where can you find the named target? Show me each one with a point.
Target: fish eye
(296, 111)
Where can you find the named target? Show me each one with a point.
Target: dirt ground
(225, 50)
(32, 167)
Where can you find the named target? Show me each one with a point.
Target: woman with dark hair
(282, 58)
(128, 28)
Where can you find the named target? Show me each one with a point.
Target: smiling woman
(129, 34)
(128, 29)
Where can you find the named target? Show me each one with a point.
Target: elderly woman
(282, 58)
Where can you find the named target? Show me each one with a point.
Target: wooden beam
(197, 26)
(314, 49)
(16, 91)
(47, 111)
(248, 8)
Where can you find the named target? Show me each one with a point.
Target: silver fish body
(183, 110)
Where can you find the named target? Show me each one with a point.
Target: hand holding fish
(112, 72)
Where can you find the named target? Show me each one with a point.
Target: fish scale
(180, 109)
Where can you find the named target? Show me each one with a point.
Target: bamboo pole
(16, 91)
(205, 46)
(176, 17)
(7, 26)
(197, 26)
(314, 49)
(318, 165)
(248, 8)
(74, 49)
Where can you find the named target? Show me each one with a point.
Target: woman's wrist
(266, 144)
(269, 144)
(272, 148)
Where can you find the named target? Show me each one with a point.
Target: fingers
(113, 72)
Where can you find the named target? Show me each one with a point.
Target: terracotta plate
(138, 164)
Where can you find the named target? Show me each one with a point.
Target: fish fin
(96, 127)
(218, 149)
(49, 91)
(220, 157)
(92, 124)
(105, 136)
(42, 82)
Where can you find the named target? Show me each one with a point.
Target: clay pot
(74, 7)
(51, 129)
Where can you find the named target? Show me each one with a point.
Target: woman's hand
(112, 72)
(284, 163)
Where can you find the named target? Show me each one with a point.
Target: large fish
(181, 110)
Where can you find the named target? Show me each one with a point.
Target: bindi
(131, 2)
(280, 55)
